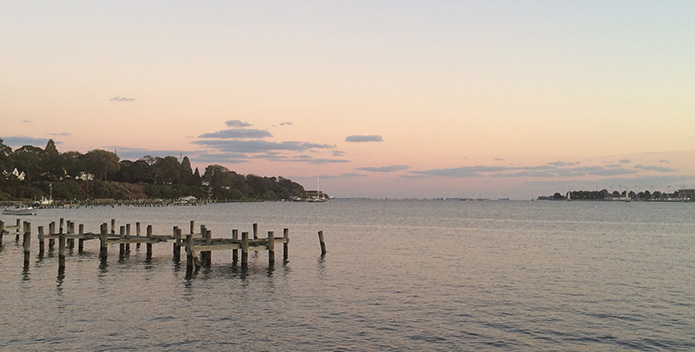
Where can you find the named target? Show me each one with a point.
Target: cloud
(286, 123)
(237, 123)
(127, 153)
(392, 168)
(654, 168)
(338, 153)
(624, 161)
(359, 139)
(499, 159)
(121, 99)
(259, 146)
(26, 121)
(562, 163)
(19, 141)
(237, 133)
(664, 161)
(61, 134)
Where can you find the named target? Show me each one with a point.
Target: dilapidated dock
(198, 246)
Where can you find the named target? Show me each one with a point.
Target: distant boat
(24, 210)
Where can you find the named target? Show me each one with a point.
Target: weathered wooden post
(103, 245)
(26, 242)
(149, 245)
(203, 230)
(285, 245)
(71, 231)
(121, 246)
(271, 248)
(192, 228)
(2, 231)
(80, 242)
(255, 231)
(235, 252)
(18, 227)
(189, 253)
(113, 226)
(127, 235)
(51, 232)
(177, 244)
(61, 226)
(41, 242)
(61, 251)
(137, 233)
(244, 249)
(208, 241)
(323, 244)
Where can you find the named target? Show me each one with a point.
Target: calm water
(399, 275)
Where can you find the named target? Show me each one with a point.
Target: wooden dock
(198, 246)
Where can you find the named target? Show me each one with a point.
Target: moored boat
(19, 211)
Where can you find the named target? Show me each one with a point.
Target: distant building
(687, 193)
(16, 173)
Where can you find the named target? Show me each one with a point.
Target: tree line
(101, 174)
(604, 194)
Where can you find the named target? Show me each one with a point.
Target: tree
(168, 169)
(71, 164)
(5, 155)
(100, 162)
(52, 162)
(29, 159)
(186, 172)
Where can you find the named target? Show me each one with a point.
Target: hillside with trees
(31, 172)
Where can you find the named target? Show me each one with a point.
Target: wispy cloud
(61, 134)
(555, 169)
(237, 133)
(360, 139)
(392, 168)
(624, 161)
(664, 161)
(18, 141)
(259, 146)
(121, 99)
(287, 123)
(338, 153)
(26, 121)
(128, 153)
(562, 163)
(237, 123)
(654, 168)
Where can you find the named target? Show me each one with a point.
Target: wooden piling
(149, 245)
(189, 253)
(41, 242)
(61, 251)
(177, 244)
(26, 242)
(113, 226)
(323, 244)
(121, 246)
(244, 249)
(271, 248)
(80, 244)
(51, 231)
(137, 233)
(18, 227)
(127, 235)
(203, 254)
(235, 252)
(285, 245)
(103, 245)
(255, 231)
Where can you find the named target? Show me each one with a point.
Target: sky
(378, 99)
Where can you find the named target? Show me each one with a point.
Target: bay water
(399, 275)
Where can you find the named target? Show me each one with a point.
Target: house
(19, 175)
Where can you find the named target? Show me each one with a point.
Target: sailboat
(318, 197)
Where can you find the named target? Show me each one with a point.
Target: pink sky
(382, 99)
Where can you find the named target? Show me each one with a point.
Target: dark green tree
(100, 163)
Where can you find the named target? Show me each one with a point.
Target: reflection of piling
(2, 231)
(208, 241)
(323, 244)
(121, 246)
(127, 235)
(137, 233)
